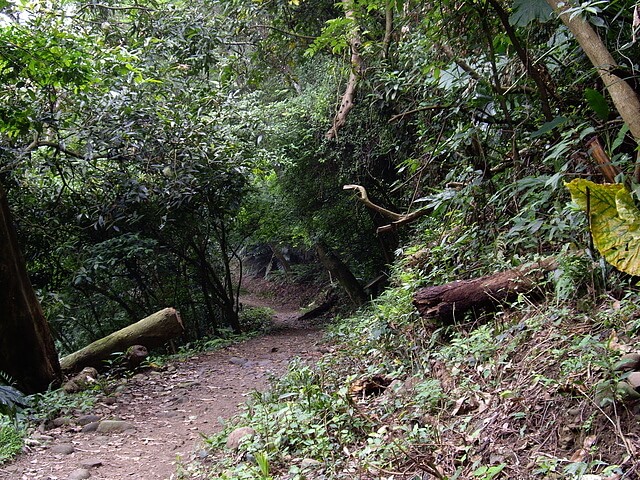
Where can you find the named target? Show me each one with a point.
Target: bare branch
(364, 198)
(397, 219)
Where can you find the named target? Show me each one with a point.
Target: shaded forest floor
(164, 414)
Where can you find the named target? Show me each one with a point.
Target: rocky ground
(156, 420)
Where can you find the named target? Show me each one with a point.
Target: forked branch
(397, 219)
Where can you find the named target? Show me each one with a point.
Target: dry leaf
(579, 456)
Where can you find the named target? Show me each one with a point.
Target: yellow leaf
(614, 219)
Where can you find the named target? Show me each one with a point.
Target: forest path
(169, 410)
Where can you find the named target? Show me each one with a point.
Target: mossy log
(151, 331)
(452, 300)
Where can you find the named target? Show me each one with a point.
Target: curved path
(169, 410)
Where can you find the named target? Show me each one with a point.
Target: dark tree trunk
(452, 300)
(277, 252)
(341, 272)
(232, 317)
(27, 351)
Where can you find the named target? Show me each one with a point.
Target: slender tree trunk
(340, 270)
(27, 351)
(277, 252)
(357, 67)
(536, 72)
(388, 27)
(624, 98)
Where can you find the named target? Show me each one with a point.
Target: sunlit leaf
(615, 222)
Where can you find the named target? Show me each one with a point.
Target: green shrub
(256, 318)
(10, 441)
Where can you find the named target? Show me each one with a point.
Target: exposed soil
(171, 409)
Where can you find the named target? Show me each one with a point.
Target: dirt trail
(170, 410)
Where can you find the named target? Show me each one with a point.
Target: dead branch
(397, 218)
(609, 171)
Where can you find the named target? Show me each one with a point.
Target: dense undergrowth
(527, 392)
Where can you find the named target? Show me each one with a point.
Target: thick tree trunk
(623, 96)
(451, 301)
(338, 269)
(27, 351)
(150, 332)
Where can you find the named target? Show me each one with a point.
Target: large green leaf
(597, 102)
(526, 11)
(615, 222)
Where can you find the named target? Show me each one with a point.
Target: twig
(616, 424)
(419, 109)
(111, 7)
(285, 32)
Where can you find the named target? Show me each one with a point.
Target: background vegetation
(147, 147)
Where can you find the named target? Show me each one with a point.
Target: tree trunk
(339, 269)
(27, 351)
(357, 67)
(537, 72)
(151, 332)
(388, 27)
(624, 98)
(452, 300)
(232, 316)
(284, 263)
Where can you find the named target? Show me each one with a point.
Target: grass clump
(11, 440)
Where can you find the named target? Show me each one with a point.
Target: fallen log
(151, 332)
(320, 309)
(452, 300)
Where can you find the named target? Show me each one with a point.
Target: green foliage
(11, 401)
(303, 415)
(263, 464)
(11, 441)
(598, 103)
(256, 319)
(56, 403)
(526, 11)
(488, 473)
(144, 147)
(334, 37)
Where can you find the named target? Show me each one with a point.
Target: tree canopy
(146, 145)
